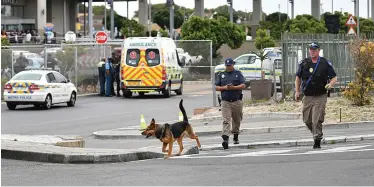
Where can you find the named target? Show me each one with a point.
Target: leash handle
(310, 77)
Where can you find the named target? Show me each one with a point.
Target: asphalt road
(96, 113)
(340, 164)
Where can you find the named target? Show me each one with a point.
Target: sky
(269, 6)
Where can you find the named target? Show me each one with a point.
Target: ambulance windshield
(152, 57)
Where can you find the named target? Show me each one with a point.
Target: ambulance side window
(132, 57)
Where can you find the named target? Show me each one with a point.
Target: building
(18, 15)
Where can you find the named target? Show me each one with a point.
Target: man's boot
(225, 143)
(236, 139)
(317, 144)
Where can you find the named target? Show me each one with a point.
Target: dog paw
(166, 157)
(165, 151)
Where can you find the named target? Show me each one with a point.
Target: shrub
(358, 91)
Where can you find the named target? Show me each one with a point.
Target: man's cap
(229, 62)
(314, 45)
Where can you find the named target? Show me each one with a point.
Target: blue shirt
(235, 78)
(108, 65)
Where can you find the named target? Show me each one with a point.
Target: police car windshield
(27, 76)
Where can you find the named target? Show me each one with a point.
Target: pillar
(316, 9)
(143, 12)
(41, 18)
(90, 24)
(199, 8)
(256, 17)
(372, 10)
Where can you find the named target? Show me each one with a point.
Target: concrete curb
(196, 82)
(292, 143)
(135, 134)
(54, 154)
(57, 140)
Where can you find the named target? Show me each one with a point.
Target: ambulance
(150, 64)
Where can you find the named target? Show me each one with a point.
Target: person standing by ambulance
(108, 77)
(231, 83)
(314, 73)
(101, 69)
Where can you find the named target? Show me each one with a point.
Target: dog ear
(153, 120)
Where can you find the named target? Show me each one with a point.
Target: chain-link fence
(197, 55)
(78, 62)
(334, 47)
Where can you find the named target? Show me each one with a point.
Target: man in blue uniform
(101, 69)
(108, 77)
(231, 83)
(317, 76)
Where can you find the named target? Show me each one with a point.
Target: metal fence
(78, 62)
(335, 48)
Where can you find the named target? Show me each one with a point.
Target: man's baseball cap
(314, 45)
(229, 62)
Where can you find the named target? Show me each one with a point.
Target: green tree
(131, 28)
(162, 18)
(304, 24)
(118, 21)
(274, 17)
(219, 30)
(66, 58)
(263, 40)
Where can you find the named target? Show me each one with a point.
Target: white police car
(42, 88)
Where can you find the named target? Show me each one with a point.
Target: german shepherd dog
(169, 133)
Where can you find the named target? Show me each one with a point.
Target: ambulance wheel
(11, 106)
(167, 92)
(127, 94)
(180, 90)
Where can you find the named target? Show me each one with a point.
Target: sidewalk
(215, 128)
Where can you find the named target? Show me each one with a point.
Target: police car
(42, 88)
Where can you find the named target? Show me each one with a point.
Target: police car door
(52, 88)
(240, 63)
(62, 84)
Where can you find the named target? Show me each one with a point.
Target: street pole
(231, 10)
(368, 5)
(90, 25)
(279, 15)
(332, 6)
(358, 17)
(149, 17)
(111, 20)
(105, 16)
(171, 26)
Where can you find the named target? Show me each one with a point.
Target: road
(101, 113)
(339, 164)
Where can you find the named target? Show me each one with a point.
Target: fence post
(45, 56)
(76, 66)
(275, 83)
(213, 75)
(11, 53)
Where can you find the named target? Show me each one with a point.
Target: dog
(169, 133)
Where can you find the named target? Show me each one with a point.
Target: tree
(263, 40)
(274, 17)
(219, 30)
(304, 24)
(131, 28)
(358, 91)
(162, 18)
(118, 21)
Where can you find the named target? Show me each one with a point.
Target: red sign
(101, 37)
(351, 22)
(151, 55)
(133, 55)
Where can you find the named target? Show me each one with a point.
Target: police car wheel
(72, 99)
(11, 106)
(47, 103)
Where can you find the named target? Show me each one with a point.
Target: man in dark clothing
(51, 62)
(314, 73)
(21, 63)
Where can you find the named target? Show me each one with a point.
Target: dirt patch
(349, 112)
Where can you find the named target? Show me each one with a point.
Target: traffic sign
(70, 36)
(101, 37)
(351, 31)
(351, 21)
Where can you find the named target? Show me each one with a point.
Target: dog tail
(185, 118)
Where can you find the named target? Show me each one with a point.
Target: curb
(64, 140)
(56, 154)
(252, 115)
(101, 134)
(196, 82)
(293, 143)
